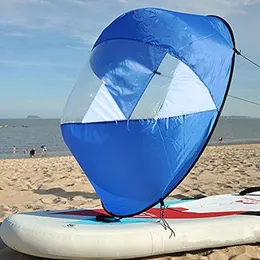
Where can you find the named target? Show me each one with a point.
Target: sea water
(33, 133)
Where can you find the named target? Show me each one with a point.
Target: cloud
(219, 7)
(84, 19)
(16, 34)
(74, 18)
(74, 47)
(45, 22)
(19, 63)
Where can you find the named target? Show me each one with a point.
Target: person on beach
(14, 150)
(44, 149)
(32, 153)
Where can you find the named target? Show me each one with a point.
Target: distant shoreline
(228, 143)
(54, 118)
(68, 154)
(30, 133)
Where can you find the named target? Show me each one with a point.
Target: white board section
(211, 222)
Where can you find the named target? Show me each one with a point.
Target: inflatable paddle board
(208, 222)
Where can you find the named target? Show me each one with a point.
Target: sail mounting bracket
(165, 224)
(237, 51)
(106, 218)
(157, 72)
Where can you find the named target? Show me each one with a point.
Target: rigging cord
(255, 64)
(165, 224)
(245, 100)
(246, 58)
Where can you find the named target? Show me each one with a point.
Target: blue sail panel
(202, 42)
(110, 154)
(159, 81)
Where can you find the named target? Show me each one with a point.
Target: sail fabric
(146, 104)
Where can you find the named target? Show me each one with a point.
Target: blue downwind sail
(151, 94)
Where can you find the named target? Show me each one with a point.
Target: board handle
(249, 190)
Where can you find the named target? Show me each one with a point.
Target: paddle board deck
(209, 222)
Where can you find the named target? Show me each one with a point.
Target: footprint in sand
(3, 211)
(28, 206)
(47, 175)
(241, 257)
(49, 180)
(14, 209)
(58, 200)
(218, 255)
(70, 169)
(46, 200)
(70, 184)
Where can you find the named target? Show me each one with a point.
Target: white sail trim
(103, 108)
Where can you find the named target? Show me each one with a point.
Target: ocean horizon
(33, 133)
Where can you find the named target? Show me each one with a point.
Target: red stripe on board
(181, 214)
(84, 212)
(169, 213)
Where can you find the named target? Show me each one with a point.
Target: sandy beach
(58, 183)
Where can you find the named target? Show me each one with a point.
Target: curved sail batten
(147, 102)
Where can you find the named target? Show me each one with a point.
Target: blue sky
(44, 45)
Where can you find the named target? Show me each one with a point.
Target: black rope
(245, 100)
(165, 224)
(246, 58)
(255, 64)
